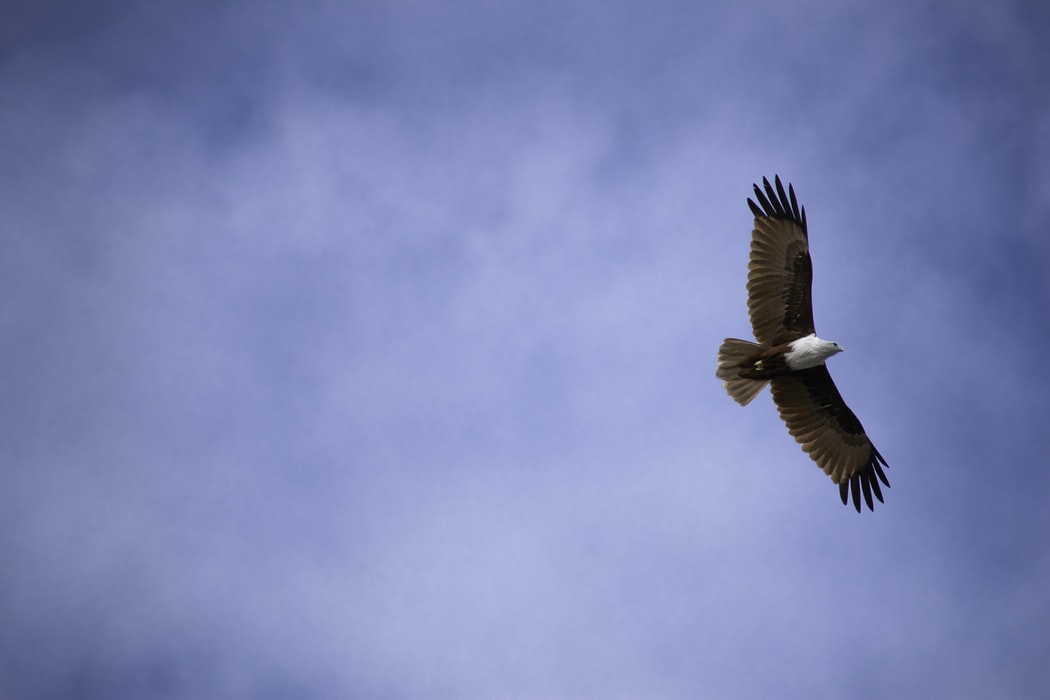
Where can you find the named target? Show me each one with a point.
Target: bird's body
(790, 357)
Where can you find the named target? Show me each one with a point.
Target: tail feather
(732, 353)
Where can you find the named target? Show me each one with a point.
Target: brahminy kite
(790, 357)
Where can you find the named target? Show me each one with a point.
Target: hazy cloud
(367, 350)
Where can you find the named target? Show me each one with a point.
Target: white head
(810, 351)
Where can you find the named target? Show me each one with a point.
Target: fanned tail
(733, 353)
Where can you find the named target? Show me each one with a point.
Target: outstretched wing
(780, 274)
(830, 433)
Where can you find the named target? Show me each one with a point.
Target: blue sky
(366, 350)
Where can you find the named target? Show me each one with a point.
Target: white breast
(810, 351)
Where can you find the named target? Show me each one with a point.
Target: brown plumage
(790, 357)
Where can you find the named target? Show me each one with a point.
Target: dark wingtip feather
(798, 212)
(767, 208)
(875, 459)
(876, 489)
(774, 202)
(794, 201)
(865, 483)
(781, 194)
(778, 207)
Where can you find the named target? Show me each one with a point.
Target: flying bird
(790, 357)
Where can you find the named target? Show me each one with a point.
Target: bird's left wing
(830, 433)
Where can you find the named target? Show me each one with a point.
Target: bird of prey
(790, 357)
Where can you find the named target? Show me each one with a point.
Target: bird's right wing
(780, 274)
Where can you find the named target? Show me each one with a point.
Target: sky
(366, 349)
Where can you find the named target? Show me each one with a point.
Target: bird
(790, 357)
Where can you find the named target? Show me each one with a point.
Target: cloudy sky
(366, 349)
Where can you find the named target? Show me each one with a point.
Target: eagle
(790, 357)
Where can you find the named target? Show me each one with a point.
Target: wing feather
(829, 432)
(780, 273)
